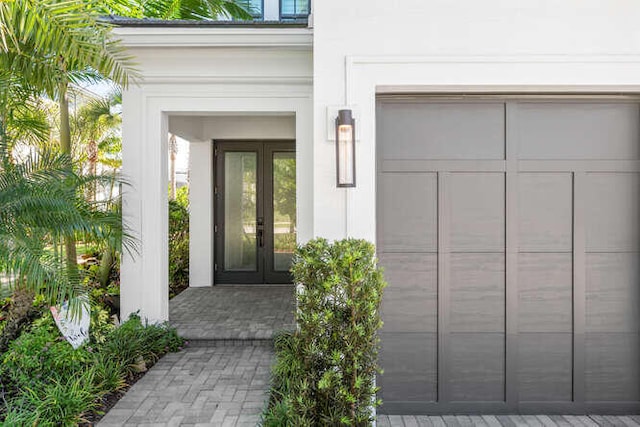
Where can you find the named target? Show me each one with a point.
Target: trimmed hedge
(325, 371)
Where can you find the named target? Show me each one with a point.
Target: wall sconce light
(345, 149)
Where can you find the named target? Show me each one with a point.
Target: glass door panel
(284, 209)
(240, 204)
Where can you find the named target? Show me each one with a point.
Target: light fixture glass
(345, 149)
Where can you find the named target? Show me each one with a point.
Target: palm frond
(42, 202)
(180, 9)
(60, 40)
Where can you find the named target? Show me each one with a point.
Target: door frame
(264, 209)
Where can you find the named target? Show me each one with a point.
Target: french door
(255, 211)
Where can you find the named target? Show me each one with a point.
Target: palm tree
(22, 117)
(52, 43)
(95, 133)
(42, 203)
(180, 9)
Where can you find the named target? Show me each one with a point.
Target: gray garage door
(509, 231)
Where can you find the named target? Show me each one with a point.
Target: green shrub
(134, 342)
(178, 247)
(287, 373)
(50, 383)
(324, 374)
(59, 402)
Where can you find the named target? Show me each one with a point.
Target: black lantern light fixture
(345, 149)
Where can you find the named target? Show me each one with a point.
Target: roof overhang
(215, 36)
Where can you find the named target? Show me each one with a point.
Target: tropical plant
(22, 117)
(48, 44)
(42, 204)
(44, 381)
(96, 138)
(179, 243)
(180, 9)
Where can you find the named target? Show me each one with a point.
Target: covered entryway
(509, 231)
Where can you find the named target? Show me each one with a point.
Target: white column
(304, 172)
(144, 276)
(131, 263)
(201, 213)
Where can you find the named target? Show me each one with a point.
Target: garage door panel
(545, 211)
(612, 209)
(410, 303)
(545, 366)
(545, 287)
(477, 212)
(477, 292)
(408, 212)
(410, 367)
(528, 213)
(613, 292)
(476, 367)
(578, 130)
(441, 130)
(612, 369)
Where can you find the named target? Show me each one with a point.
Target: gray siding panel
(477, 367)
(613, 294)
(612, 369)
(545, 367)
(410, 367)
(441, 130)
(545, 290)
(587, 130)
(477, 212)
(477, 292)
(612, 211)
(410, 300)
(545, 212)
(409, 212)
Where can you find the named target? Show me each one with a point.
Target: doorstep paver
(154, 400)
(235, 312)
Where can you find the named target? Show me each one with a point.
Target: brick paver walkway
(222, 377)
(508, 421)
(233, 311)
(224, 385)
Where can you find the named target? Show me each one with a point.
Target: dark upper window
(254, 7)
(294, 9)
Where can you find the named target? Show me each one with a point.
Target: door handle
(260, 232)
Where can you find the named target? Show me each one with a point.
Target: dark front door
(255, 211)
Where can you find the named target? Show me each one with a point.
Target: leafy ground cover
(45, 382)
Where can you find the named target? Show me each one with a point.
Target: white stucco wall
(197, 72)
(366, 46)
(201, 172)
